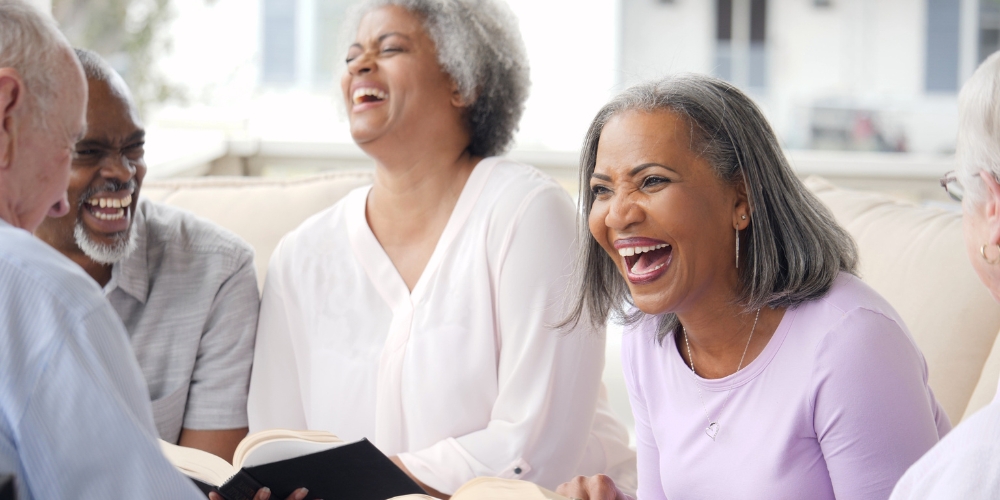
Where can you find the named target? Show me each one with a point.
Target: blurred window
(300, 41)
(942, 45)
(279, 41)
(989, 28)
(741, 42)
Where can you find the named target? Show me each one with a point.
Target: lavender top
(836, 406)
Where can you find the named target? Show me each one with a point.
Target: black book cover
(204, 487)
(356, 471)
(7, 487)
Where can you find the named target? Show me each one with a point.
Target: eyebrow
(392, 33)
(138, 135)
(632, 172)
(644, 166)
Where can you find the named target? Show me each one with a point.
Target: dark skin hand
(265, 494)
(299, 494)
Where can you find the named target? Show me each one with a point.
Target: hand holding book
(265, 494)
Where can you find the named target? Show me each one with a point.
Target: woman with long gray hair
(419, 312)
(757, 364)
(966, 463)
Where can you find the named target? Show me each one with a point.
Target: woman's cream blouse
(466, 375)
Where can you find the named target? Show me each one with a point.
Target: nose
(362, 64)
(623, 212)
(118, 167)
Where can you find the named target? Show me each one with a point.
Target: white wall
(660, 38)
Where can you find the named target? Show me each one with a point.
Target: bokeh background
(861, 91)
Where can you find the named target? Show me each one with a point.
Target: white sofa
(913, 255)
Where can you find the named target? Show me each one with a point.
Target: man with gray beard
(185, 289)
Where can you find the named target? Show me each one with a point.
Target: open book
(492, 488)
(285, 460)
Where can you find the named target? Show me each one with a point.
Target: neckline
(377, 264)
(748, 372)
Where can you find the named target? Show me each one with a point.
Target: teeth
(111, 202)
(630, 251)
(368, 91)
(120, 213)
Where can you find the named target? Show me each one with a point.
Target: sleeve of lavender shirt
(647, 455)
(873, 412)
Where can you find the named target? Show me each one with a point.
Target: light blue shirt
(75, 418)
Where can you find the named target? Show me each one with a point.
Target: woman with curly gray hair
(418, 312)
(757, 364)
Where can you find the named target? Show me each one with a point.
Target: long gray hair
(796, 249)
(479, 45)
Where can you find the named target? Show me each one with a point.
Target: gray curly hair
(796, 249)
(479, 45)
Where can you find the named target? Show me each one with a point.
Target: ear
(456, 96)
(11, 100)
(741, 206)
(991, 206)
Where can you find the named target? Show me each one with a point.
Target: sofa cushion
(986, 389)
(260, 210)
(915, 257)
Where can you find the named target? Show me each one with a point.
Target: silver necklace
(713, 425)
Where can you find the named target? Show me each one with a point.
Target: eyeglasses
(954, 188)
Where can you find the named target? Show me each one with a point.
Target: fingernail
(266, 492)
(301, 493)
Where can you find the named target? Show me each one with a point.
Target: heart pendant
(712, 430)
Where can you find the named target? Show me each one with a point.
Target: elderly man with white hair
(966, 463)
(75, 419)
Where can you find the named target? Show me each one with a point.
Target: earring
(742, 217)
(982, 250)
(737, 248)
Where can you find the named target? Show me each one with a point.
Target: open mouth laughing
(645, 259)
(368, 96)
(108, 209)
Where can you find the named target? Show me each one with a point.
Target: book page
(276, 445)
(494, 488)
(198, 464)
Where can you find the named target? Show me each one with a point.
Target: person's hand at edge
(265, 494)
(599, 487)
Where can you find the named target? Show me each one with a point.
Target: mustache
(109, 186)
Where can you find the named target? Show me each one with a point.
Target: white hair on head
(31, 43)
(978, 146)
(479, 45)
(123, 245)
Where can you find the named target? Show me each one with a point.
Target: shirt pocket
(168, 413)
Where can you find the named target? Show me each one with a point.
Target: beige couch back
(260, 210)
(914, 256)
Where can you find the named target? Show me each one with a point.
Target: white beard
(123, 246)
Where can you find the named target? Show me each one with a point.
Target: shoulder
(514, 191)
(316, 234)
(512, 183)
(850, 312)
(639, 339)
(962, 465)
(37, 272)
(181, 231)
